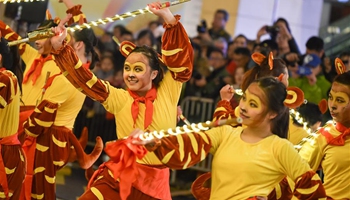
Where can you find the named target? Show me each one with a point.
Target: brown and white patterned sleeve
(83, 79)
(184, 150)
(8, 88)
(77, 14)
(177, 51)
(41, 119)
(223, 110)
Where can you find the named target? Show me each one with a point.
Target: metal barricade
(197, 109)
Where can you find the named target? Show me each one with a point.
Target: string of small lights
(202, 126)
(18, 1)
(47, 33)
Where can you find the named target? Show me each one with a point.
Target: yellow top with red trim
(296, 133)
(334, 160)
(9, 103)
(239, 169)
(177, 54)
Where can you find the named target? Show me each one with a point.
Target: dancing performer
(149, 103)
(12, 159)
(263, 156)
(49, 138)
(267, 66)
(331, 149)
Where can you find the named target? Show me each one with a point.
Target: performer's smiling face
(138, 75)
(339, 103)
(43, 46)
(252, 106)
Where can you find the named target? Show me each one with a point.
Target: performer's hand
(165, 13)
(135, 135)
(227, 92)
(60, 33)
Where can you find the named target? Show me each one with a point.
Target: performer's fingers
(65, 20)
(136, 133)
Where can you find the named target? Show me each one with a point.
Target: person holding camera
(281, 33)
(306, 71)
(218, 27)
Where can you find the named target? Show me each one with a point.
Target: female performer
(149, 103)
(331, 149)
(12, 159)
(248, 162)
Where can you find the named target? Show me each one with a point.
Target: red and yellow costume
(241, 170)
(224, 111)
(177, 54)
(332, 157)
(12, 161)
(49, 138)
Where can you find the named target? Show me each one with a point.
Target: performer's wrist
(154, 145)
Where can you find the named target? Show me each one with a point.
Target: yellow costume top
(9, 103)
(334, 160)
(296, 133)
(241, 170)
(177, 54)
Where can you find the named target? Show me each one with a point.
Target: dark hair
(268, 45)
(11, 60)
(311, 113)
(214, 49)
(147, 33)
(88, 37)
(344, 53)
(47, 24)
(242, 51)
(315, 43)
(276, 92)
(153, 61)
(343, 78)
(285, 22)
(126, 32)
(279, 67)
(242, 36)
(120, 27)
(224, 12)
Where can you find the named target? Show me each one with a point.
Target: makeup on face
(338, 102)
(251, 104)
(135, 68)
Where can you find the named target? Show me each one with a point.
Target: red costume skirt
(152, 183)
(12, 167)
(47, 154)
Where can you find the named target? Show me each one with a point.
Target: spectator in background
(106, 42)
(145, 37)
(345, 58)
(240, 58)
(117, 31)
(240, 41)
(221, 44)
(281, 33)
(106, 69)
(311, 114)
(157, 28)
(308, 75)
(218, 27)
(218, 77)
(125, 35)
